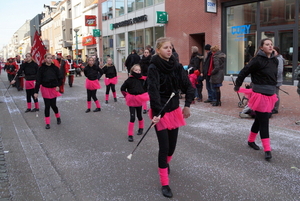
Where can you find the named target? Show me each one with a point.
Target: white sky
(14, 13)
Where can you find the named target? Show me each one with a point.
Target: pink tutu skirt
(49, 93)
(259, 102)
(29, 84)
(92, 84)
(170, 120)
(113, 80)
(136, 100)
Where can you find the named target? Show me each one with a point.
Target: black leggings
(261, 124)
(112, 86)
(218, 93)
(29, 95)
(138, 113)
(167, 140)
(50, 103)
(91, 94)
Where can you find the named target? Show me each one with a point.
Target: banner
(38, 49)
(88, 40)
(90, 20)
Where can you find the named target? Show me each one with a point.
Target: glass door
(284, 40)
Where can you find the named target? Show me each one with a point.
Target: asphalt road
(84, 158)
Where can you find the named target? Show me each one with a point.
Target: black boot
(115, 99)
(253, 145)
(88, 110)
(47, 126)
(166, 191)
(268, 155)
(140, 131)
(217, 103)
(97, 110)
(58, 120)
(130, 138)
(28, 110)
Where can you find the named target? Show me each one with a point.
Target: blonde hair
(160, 41)
(135, 65)
(194, 49)
(214, 48)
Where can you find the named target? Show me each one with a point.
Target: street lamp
(76, 31)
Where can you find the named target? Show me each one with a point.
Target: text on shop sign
(142, 18)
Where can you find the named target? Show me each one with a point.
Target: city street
(85, 158)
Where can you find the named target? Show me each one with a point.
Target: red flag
(38, 49)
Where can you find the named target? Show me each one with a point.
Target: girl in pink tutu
(30, 69)
(49, 79)
(134, 90)
(110, 80)
(167, 76)
(262, 97)
(91, 72)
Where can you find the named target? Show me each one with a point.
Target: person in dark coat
(210, 92)
(30, 69)
(132, 59)
(144, 63)
(167, 76)
(263, 68)
(91, 71)
(134, 90)
(195, 63)
(48, 80)
(175, 54)
(151, 50)
(216, 71)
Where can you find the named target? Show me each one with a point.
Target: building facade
(128, 25)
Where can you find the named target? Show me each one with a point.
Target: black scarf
(163, 65)
(136, 75)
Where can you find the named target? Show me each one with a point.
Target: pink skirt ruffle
(113, 80)
(49, 92)
(92, 84)
(29, 84)
(259, 102)
(170, 120)
(136, 100)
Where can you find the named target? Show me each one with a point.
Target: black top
(48, 76)
(165, 77)
(91, 72)
(109, 71)
(144, 63)
(134, 86)
(30, 70)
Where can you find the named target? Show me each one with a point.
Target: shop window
(110, 9)
(121, 40)
(130, 5)
(139, 41)
(131, 41)
(108, 46)
(149, 39)
(159, 32)
(290, 10)
(266, 12)
(119, 7)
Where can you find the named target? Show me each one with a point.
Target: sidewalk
(289, 110)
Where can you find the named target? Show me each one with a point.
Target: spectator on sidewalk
(206, 63)
(279, 78)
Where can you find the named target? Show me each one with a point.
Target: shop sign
(240, 32)
(96, 32)
(211, 6)
(88, 40)
(161, 17)
(135, 20)
(90, 20)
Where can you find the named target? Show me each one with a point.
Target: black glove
(236, 88)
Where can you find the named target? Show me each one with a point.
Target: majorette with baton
(110, 80)
(134, 90)
(91, 72)
(30, 69)
(49, 79)
(167, 76)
